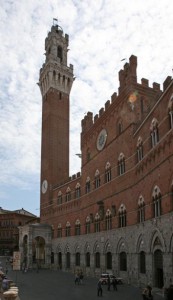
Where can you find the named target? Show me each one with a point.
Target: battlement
(127, 78)
(128, 74)
(56, 30)
(68, 181)
(87, 122)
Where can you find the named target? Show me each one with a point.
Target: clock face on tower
(44, 186)
(101, 139)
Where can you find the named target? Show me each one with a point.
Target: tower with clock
(55, 83)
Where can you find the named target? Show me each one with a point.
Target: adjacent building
(9, 228)
(116, 214)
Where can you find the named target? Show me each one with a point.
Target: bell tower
(55, 83)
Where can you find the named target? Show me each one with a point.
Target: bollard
(10, 295)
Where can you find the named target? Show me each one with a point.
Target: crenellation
(145, 82)
(101, 111)
(96, 118)
(166, 82)
(156, 86)
(107, 104)
(87, 122)
(113, 97)
(128, 74)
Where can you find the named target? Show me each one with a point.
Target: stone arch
(97, 173)
(59, 248)
(139, 141)
(67, 252)
(157, 242)
(108, 165)
(140, 244)
(107, 247)
(122, 208)
(77, 248)
(96, 247)
(88, 179)
(141, 200)
(108, 213)
(156, 191)
(154, 124)
(122, 246)
(77, 185)
(171, 244)
(38, 249)
(87, 248)
(121, 157)
(67, 248)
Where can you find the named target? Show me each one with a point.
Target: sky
(101, 34)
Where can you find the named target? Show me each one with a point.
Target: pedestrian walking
(109, 283)
(99, 288)
(81, 277)
(76, 278)
(114, 283)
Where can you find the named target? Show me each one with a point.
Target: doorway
(158, 268)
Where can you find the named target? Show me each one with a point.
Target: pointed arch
(157, 241)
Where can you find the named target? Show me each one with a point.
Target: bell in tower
(55, 82)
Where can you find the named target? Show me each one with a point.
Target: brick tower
(55, 83)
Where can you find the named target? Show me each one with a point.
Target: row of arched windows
(121, 167)
(97, 222)
(108, 260)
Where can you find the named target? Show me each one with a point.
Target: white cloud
(101, 34)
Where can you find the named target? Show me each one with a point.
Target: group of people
(109, 283)
(147, 293)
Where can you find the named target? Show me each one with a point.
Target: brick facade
(121, 206)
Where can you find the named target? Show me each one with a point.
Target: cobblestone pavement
(54, 285)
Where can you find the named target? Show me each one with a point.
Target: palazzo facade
(116, 214)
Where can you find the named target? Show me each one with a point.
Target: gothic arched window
(154, 132)
(141, 209)
(139, 149)
(59, 52)
(122, 216)
(68, 194)
(68, 229)
(87, 225)
(59, 200)
(170, 111)
(157, 198)
(88, 185)
(77, 227)
(121, 164)
(107, 172)
(97, 179)
(77, 191)
(97, 223)
(108, 220)
(59, 231)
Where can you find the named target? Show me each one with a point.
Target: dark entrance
(68, 260)
(158, 268)
(109, 260)
(60, 260)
